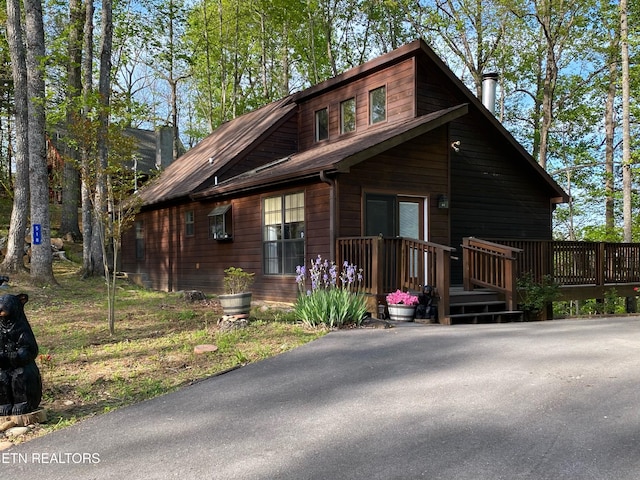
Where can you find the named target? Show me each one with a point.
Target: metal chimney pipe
(489, 84)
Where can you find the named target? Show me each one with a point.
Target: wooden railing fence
(583, 269)
(395, 263)
(491, 265)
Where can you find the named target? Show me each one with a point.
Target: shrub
(535, 296)
(236, 280)
(333, 299)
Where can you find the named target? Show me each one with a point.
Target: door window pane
(380, 215)
(409, 216)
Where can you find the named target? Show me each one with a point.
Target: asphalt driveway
(552, 400)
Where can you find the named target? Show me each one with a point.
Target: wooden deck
(583, 269)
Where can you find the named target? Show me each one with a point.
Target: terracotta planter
(236, 303)
(402, 313)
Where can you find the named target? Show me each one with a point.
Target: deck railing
(398, 263)
(583, 269)
(491, 265)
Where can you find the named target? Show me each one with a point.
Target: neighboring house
(154, 150)
(397, 147)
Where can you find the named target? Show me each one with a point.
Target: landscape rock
(232, 322)
(17, 431)
(193, 296)
(7, 425)
(206, 348)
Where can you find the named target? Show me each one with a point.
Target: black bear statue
(20, 381)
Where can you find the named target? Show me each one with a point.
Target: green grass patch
(87, 372)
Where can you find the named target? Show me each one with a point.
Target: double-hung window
(283, 233)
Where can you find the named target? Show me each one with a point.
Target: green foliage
(333, 299)
(333, 308)
(612, 304)
(236, 280)
(534, 296)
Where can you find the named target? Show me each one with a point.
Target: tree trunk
(14, 258)
(71, 176)
(87, 90)
(100, 196)
(609, 127)
(41, 257)
(626, 133)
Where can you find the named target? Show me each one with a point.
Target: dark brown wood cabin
(397, 147)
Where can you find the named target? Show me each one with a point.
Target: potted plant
(402, 306)
(236, 299)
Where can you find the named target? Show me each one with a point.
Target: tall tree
(14, 258)
(99, 261)
(85, 146)
(41, 256)
(626, 124)
(71, 176)
(558, 24)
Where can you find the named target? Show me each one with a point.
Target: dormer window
(348, 115)
(322, 124)
(378, 105)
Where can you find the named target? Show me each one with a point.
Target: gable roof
(195, 174)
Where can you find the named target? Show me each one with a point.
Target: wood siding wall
(400, 85)
(417, 168)
(493, 193)
(174, 261)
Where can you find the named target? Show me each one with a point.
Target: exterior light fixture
(443, 201)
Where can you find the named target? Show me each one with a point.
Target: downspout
(332, 213)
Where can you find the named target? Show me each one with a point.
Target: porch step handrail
(391, 263)
(491, 265)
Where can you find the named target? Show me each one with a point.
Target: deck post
(466, 265)
(376, 264)
(443, 279)
(511, 287)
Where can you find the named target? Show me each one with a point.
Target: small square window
(322, 124)
(189, 223)
(348, 116)
(378, 105)
(220, 223)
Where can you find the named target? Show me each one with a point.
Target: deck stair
(480, 306)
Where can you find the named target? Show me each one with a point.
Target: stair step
(474, 317)
(475, 304)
